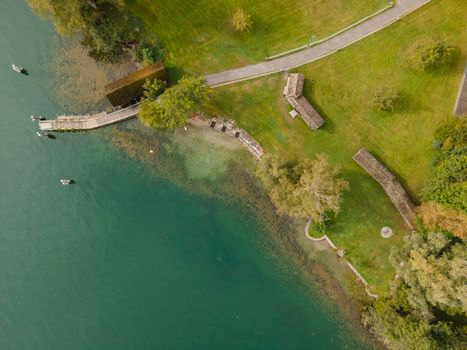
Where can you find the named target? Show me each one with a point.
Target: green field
(342, 91)
(195, 33)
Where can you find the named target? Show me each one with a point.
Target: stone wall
(388, 181)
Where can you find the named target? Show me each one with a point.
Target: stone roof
(309, 115)
(293, 94)
(294, 86)
(377, 170)
(388, 181)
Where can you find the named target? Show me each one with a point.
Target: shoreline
(200, 122)
(228, 128)
(340, 253)
(226, 187)
(317, 273)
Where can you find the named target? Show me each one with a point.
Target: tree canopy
(435, 216)
(386, 99)
(428, 303)
(107, 31)
(305, 189)
(435, 269)
(241, 21)
(430, 53)
(64, 14)
(173, 106)
(449, 184)
(153, 88)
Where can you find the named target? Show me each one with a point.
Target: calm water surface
(122, 260)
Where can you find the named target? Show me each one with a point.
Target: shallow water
(123, 260)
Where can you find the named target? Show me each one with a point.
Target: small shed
(309, 115)
(294, 86)
(130, 88)
(293, 93)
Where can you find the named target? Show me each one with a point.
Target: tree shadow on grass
(175, 73)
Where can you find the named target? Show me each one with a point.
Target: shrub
(174, 105)
(241, 21)
(436, 217)
(386, 99)
(430, 53)
(153, 88)
(448, 186)
(452, 133)
(426, 305)
(106, 29)
(309, 189)
(147, 52)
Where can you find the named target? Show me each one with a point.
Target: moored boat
(67, 181)
(19, 69)
(33, 118)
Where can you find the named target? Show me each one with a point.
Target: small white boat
(67, 181)
(19, 69)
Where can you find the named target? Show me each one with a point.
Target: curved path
(326, 239)
(337, 42)
(402, 8)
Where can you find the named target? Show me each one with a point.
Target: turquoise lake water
(123, 260)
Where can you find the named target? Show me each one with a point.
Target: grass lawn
(194, 32)
(344, 84)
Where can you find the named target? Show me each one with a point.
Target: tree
(307, 189)
(386, 99)
(64, 14)
(430, 53)
(427, 304)
(400, 330)
(147, 52)
(241, 21)
(106, 29)
(153, 88)
(437, 217)
(452, 134)
(449, 184)
(434, 267)
(174, 105)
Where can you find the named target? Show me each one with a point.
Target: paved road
(338, 42)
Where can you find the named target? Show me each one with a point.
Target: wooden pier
(88, 122)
